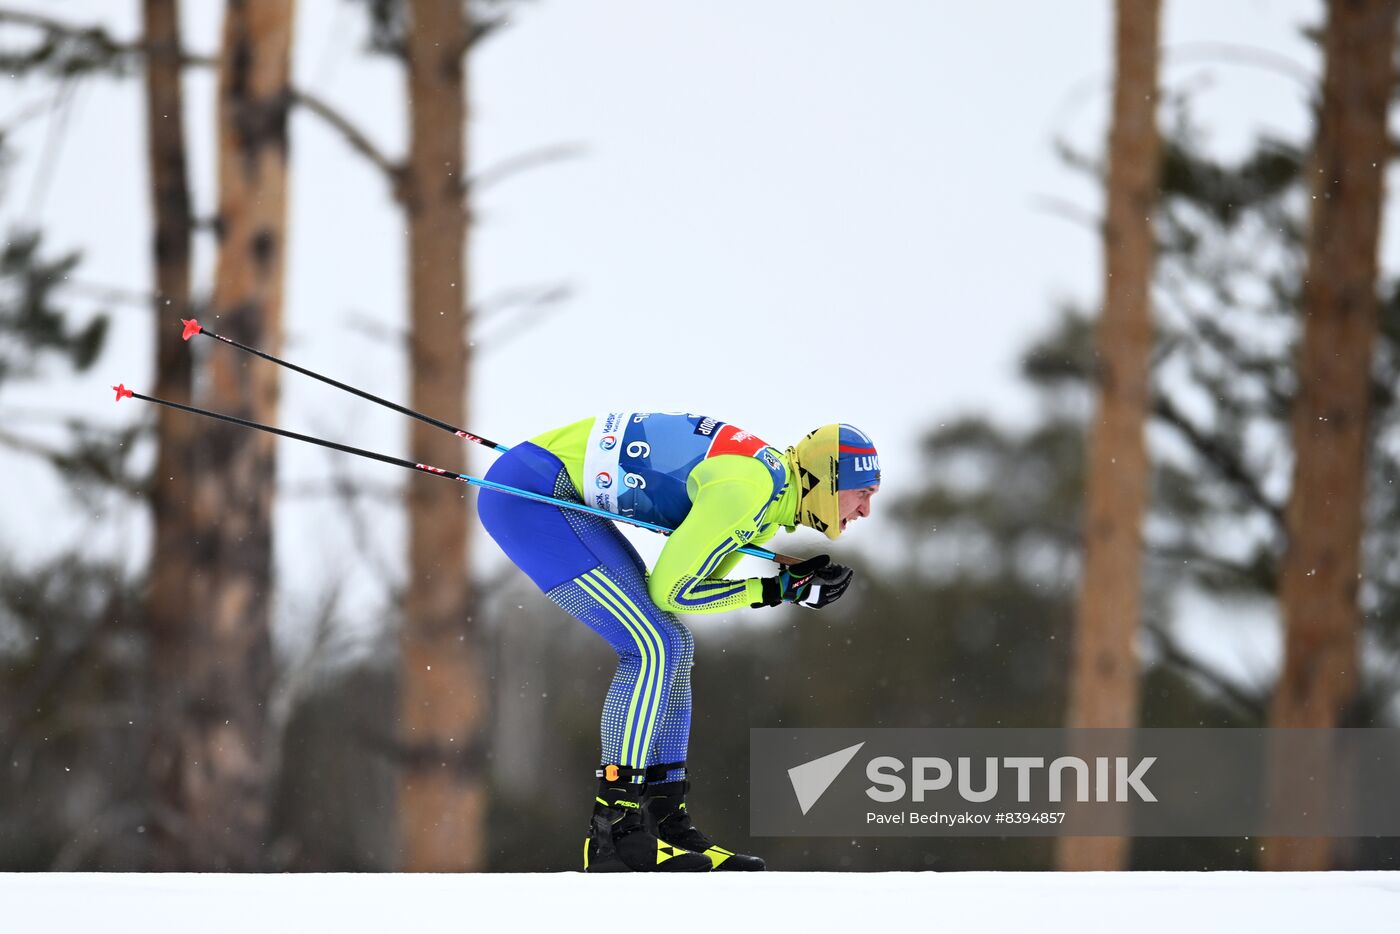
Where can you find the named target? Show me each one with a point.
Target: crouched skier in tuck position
(720, 488)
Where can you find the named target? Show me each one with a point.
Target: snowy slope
(1043, 903)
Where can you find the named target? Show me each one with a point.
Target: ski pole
(193, 327)
(124, 393)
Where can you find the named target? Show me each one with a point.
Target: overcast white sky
(786, 213)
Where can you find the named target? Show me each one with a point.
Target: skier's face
(855, 504)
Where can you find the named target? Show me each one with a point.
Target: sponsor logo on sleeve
(607, 442)
(603, 480)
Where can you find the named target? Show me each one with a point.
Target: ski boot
(665, 814)
(618, 840)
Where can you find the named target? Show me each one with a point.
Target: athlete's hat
(859, 461)
(823, 465)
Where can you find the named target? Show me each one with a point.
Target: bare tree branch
(1068, 210)
(1253, 576)
(1173, 654)
(105, 42)
(1219, 457)
(357, 139)
(119, 295)
(97, 36)
(532, 311)
(353, 135)
(83, 459)
(523, 162)
(1230, 53)
(94, 34)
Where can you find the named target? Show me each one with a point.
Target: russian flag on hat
(860, 462)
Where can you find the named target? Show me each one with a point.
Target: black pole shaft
(428, 469)
(404, 410)
(333, 445)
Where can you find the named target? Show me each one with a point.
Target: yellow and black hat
(826, 460)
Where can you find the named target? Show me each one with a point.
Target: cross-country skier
(720, 488)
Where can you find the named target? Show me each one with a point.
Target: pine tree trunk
(442, 792)
(172, 480)
(216, 669)
(1103, 690)
(1322, 568)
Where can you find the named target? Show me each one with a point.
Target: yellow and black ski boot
(618, 840)
(664, 814)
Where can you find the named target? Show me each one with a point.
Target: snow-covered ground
(1137, 903)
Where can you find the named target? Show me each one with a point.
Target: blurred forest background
(1221, 419)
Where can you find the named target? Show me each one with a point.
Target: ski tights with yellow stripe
(584, 565)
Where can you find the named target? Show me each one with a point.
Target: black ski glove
(814, 583)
